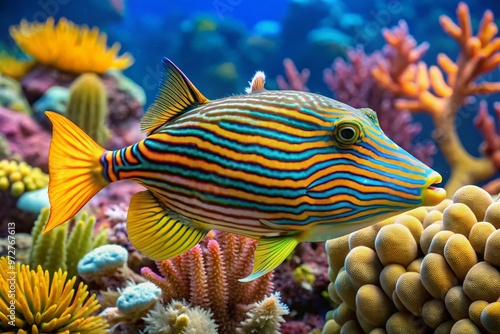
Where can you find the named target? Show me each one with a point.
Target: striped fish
(280, 166)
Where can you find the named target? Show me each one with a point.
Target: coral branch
(296, 80)
(442, 98)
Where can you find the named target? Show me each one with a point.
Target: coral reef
(125, 104)
(178, 317)
(352, 82)
(18, 181)
(18, 178)
(490, 147)
(114, 219)
(302, 281)
(107, 266)
(32, 302)
(208, 277)
(425, 88)
(54, 99)
(63, 247)
(265, 316)
(11, 95)
(21, 242)
(295, 80)
(133, 303)
(4, 148)
(68, 47)
(88, 106)
(26, 138)
(13, 67)
(428, 269)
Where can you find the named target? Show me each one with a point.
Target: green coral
(18, 177)
(305, 275)
(4, 147)
(88, 106)
(12, 66)
(11, 95)
(59, 249)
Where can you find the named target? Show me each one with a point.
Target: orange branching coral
(13, 67)
(207, 276)
(69, 47)
(441, 90)
(30, 302)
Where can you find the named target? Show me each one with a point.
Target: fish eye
(347, 133)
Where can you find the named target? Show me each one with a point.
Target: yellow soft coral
(32, 302)
(20, 177)
(449, 287)
(69, 47)
(13, 67)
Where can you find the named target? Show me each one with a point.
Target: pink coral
(490, 147)
(207, 276)
(295, 80)
(485, 123)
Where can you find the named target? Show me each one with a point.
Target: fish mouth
(431, 194)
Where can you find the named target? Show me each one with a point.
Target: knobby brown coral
(429, 270)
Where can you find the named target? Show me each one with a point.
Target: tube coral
(68, 47)
(45, 305)
(441, 90)
(440, 276)
(61, 248)
(88, 106)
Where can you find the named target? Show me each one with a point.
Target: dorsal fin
(175, 94)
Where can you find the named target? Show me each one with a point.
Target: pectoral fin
(270, 253)
(156, 234)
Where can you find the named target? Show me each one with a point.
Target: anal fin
(270, 253)
(154, 232)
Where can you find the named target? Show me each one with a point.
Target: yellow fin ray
(270, 253)
(156, 234)
(75, 171)
(175, 95)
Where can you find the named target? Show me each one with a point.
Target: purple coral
(305, 302)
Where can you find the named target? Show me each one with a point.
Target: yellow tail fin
(75, 171)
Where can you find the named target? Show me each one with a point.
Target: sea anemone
(30, 302)
(68, 47)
